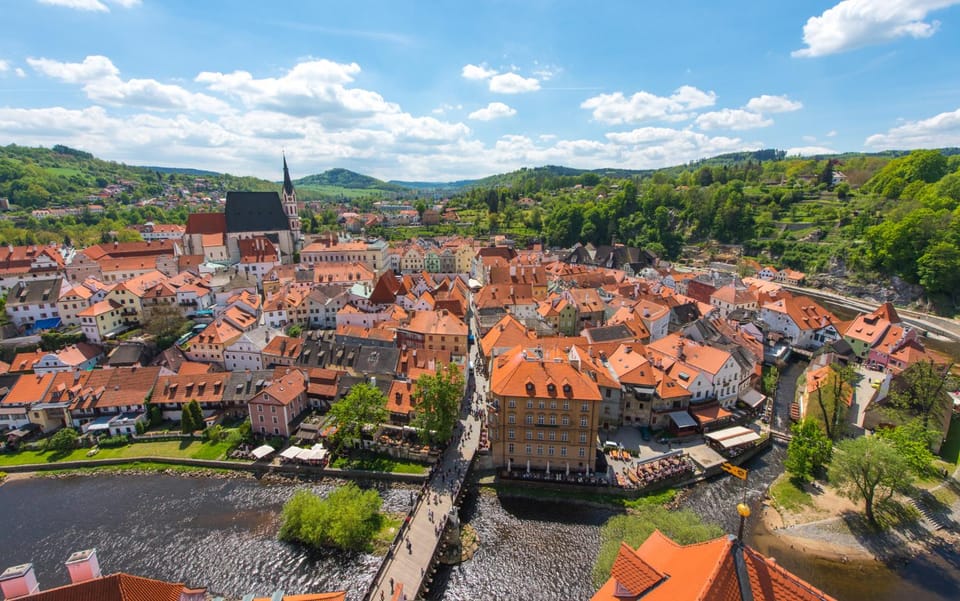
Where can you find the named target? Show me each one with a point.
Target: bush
(64, 441)
(214, 433)
(348, 518)
(110, 442)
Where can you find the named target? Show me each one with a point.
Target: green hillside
(344, 178)
(61, 176)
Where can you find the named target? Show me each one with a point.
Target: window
(541, 404)
(530, 404)
(510, 434)
(565, 420)
(564, 436)
(553, 404)
(550, 451)
(553, 420)
(273, 409)
(566, 405)
(583, 437)
(529, 420)
(511, 418)
(539, 449)
(583, 452)
(512, 403)
(275, 419)
(540, 435)
(529, 435)
(540, 421)
(563, 451)
(510, 448)
(585, 407)
(553, 435)
(529, 450)
(583, 422)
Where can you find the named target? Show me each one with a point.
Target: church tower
(289, 198)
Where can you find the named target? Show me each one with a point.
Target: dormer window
(567, 389)
(552, 388)
(530, 387)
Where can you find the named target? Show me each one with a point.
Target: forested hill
(531, 178)
(344, 178)
(62, 176)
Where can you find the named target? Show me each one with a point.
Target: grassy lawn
(375, 462)
(788, 496)
(171, 448)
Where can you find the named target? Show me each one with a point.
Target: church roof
(255, 212)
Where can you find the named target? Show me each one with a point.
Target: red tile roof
(117, 587)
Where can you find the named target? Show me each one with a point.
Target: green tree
(939, 269)
(826, 175)
(421, 207)
(295, 330)
(809, 449)
(843, 190)
(921, 391)
(64, 441)
(869, 469)
(437, 403)
(196, 414)
(912, 442)
(831, 398)
(363, 406)
(165, 324)
(348, 518)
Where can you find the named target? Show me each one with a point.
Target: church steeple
(287, 182)
(289, 198)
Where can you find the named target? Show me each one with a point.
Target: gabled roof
(30, 388)
(506, 333)
(117, 587)
(206, 223)
(127, 385)
(803, 311)
(662, 570)
(255, 212)
(538, 373)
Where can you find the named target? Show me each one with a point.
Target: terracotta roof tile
(117, 587)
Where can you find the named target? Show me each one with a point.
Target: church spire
(287, 183)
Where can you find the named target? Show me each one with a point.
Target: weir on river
(409, 561)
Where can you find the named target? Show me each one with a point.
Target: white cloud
(806, 151)
(831, 133)
(102, 83)
(809, 139)
(20, 72)
(856, 23)
(735, 119)
(936, 132)
(4, 66)
(89, 5)
(476, 72)
(494, 110)
(91, 69)
(643, 106)
(766, 103)
(511, 83)
(126, 3)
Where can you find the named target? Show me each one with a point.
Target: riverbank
(817, 521)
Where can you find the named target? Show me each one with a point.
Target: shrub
(64, 441)
(348, 518)
(110, 442)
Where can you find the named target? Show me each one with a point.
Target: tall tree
(165, 323)
(437, 403)
(187, 425)
(363, 406)
(869, 469)
(196, 414)
(809, 449)
(831, 399)
(921, 391)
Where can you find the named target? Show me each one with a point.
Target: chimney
(18, 581)
(83, 566)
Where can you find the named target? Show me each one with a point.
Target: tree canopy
(809, 449)
(869, 469)
(348, 518)
(437, 403)
(363, 406)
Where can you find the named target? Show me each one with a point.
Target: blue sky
(448, 90)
